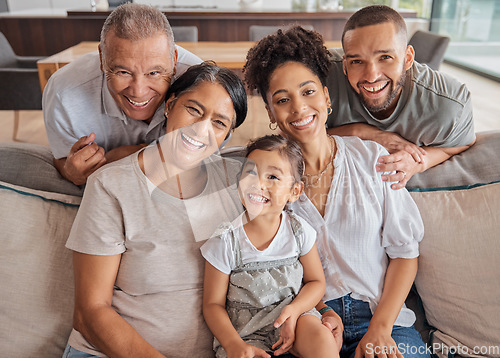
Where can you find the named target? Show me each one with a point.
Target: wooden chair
(429, 48)
(4, 7)
(185, 33)
(19, 83)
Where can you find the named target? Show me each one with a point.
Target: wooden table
(227, 54)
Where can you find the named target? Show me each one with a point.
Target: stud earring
(271, 126)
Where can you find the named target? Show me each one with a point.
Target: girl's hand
(377, 344)
(287, 321)
(245, 350)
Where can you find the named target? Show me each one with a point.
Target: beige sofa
(458, 280)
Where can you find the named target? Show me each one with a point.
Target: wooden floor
(485, 100)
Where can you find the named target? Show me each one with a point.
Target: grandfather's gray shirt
(77, 102)
(434, 109)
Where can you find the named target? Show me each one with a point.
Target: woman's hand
(287, 321)
(334, 323)
(242, 349)
(376, 343)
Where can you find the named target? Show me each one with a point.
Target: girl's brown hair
(287, 148)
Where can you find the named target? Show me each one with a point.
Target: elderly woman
(368, 234)
(137, 235)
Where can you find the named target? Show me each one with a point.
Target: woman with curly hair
(368, 234)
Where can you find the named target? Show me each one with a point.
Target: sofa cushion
(36, 292)
(458, 275)
(31, 166)
(478, 164)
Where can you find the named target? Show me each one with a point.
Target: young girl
(266, 266)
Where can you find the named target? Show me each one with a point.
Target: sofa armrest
(476, 165)
(460, 207)
(32, 166)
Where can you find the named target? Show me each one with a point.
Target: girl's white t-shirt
(219, 250)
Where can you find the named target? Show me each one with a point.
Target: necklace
(313, 179)
(166, 171)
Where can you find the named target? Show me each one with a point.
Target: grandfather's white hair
(136, 22)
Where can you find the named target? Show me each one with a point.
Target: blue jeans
(71, 352)
(356, 316)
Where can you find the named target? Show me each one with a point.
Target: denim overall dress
(258, 291)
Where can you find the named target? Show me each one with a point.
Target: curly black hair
(295, 44)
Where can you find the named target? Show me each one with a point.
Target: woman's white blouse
(365, 223)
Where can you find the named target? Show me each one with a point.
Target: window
(474, 29)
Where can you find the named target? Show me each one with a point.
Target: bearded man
(380, 93)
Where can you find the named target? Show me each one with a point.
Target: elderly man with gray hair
(107, 105)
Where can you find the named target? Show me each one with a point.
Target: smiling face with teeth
(198, 122)
(138, 73)
(375, 62)
(267, 184)
(297, 102)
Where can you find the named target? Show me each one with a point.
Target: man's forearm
(437, 155)
(361, 130)
(122, 152)
(60, 165)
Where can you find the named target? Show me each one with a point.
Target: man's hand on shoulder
(394, 143)
(84, 158)
(403, 166)
(405, 158)
(391, 141)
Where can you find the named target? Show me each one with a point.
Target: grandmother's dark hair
(287, 148)
(210, 72)
(297, 45)
(375, 15)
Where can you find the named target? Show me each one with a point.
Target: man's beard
(395, 90)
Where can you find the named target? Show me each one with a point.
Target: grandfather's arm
(85, 157)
